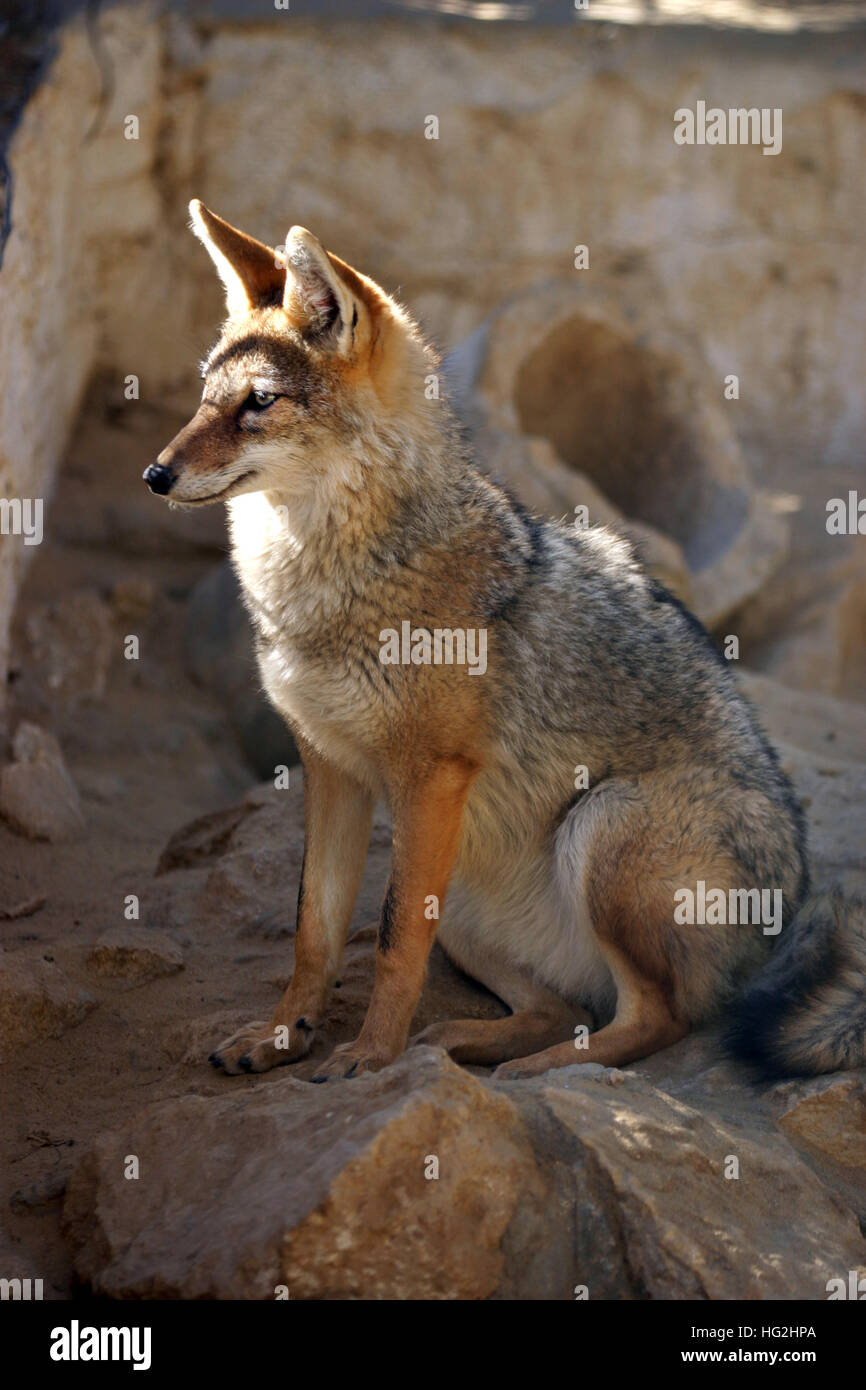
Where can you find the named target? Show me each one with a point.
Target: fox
(547, 809)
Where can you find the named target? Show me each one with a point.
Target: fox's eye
(260, 400)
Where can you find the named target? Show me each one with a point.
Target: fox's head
(310, 353)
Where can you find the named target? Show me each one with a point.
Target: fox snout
(159, 478)
(202, 464)
(162, 475)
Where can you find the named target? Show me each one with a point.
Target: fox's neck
(301, 559)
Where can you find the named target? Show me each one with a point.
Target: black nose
(159, 478)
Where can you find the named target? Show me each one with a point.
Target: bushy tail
(805, 1012)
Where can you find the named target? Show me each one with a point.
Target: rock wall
(84, 207)
(47, 344)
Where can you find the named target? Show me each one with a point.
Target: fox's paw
(260, 1046)
(351, 1059)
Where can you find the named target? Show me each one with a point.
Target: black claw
(353, 1068)
(304, 1025)
(318, 1080)
(244, 1063)
(215, 1060)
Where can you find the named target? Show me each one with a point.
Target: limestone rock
(813, 723)
(690, 1230)
(36, 1001)
(832, 795)
(822, 746)
(828, 1114)
(625, 402)
(135, 953)
(37, 795)
(202, 839)
(807, 627)
(423, 1182)
(70, 645)
(326, 1194)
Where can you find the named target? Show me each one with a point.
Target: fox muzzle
(159, 478)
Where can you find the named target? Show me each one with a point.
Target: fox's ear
(247, 268)
(325, 298)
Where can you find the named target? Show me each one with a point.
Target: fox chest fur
(318, 618)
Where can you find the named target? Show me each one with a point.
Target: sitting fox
(554, 806)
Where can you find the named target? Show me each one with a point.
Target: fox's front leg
(427, 817)
(337, 817)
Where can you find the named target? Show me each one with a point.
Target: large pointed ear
(247, 268)
(328, 301)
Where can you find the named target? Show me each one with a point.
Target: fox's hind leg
(539, 1018)
(622, 855)
(644, 1023)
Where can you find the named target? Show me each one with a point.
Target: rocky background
(148, 863)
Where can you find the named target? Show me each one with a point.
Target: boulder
(37, 1000)
(807, 629)
(135, 953)
(70, 646)
(693, 1224)
(425, 1182)
(346, 1209)
(822, 746)
(37, 795)
(827, 1114)
(203, 839)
